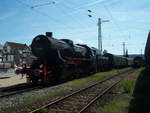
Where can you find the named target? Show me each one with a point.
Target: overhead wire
(61, 10)
(82, 7)
(44, 14)
(85, 12)
(108, 11)
(68, 17)
(76, 20)
(118, 26)
(113, 20)
(74, 17)
(122, 31)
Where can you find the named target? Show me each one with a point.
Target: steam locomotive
(62, 60)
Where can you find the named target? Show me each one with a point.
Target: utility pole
(126, 55)
(124, 48)
(100, 34)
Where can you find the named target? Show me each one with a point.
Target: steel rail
(78, 91)
(99, 96)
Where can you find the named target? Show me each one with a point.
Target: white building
(1, 52)
(15, 53)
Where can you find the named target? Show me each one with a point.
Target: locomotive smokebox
(40, 46)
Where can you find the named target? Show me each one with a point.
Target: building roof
(17, 45)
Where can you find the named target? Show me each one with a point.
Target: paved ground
(12, 80)
(7, 72)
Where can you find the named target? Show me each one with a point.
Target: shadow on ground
(140, 102)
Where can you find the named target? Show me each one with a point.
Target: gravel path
(19, 98)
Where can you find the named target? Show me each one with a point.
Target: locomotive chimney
(49, 34)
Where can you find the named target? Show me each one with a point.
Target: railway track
(9, 91)
(79, 101)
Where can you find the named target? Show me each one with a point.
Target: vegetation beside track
(121, 103)
(68, 87)
(94, 78)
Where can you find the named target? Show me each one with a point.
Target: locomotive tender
(60, 60)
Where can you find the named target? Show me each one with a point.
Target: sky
(129, 22)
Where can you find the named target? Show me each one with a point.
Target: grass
(121, 103)
(71, 84)
(128, 86)
(94, 78)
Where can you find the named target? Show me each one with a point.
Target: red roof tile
(17, 45)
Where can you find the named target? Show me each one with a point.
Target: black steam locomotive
(61, 60)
